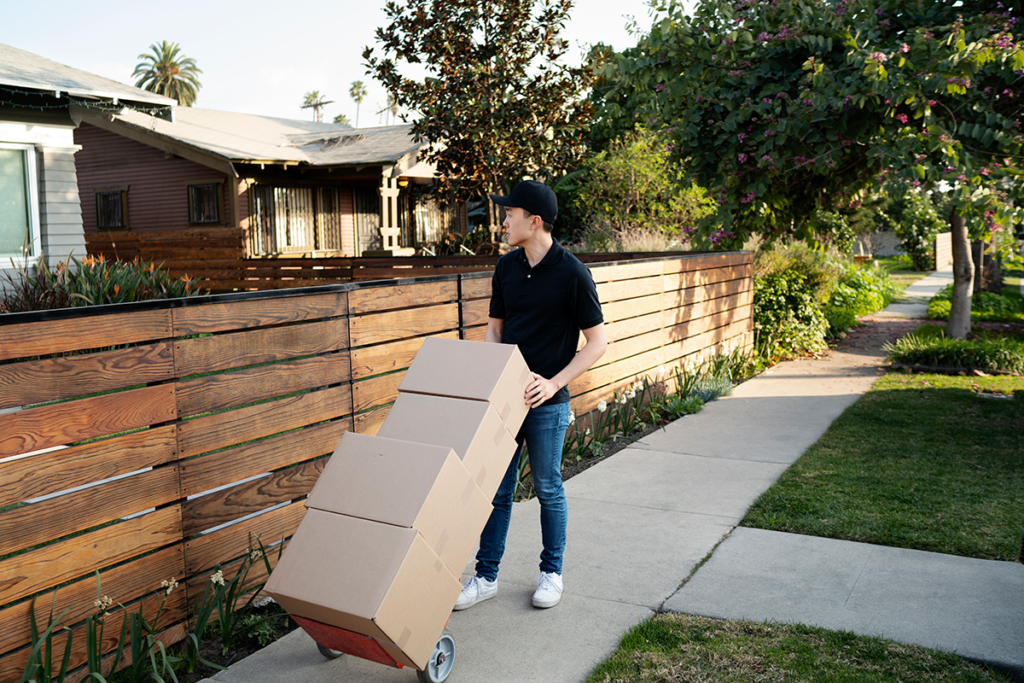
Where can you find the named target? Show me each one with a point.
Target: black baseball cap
(534, 197)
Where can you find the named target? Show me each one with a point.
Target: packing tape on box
(470, 485)
(504, 412)
(481, 477)
(443, 541)
(404, 638)
(525, 378)
(439, 566)
(499, 434)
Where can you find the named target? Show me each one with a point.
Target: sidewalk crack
(857, 580)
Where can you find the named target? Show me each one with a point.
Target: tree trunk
(959, 325)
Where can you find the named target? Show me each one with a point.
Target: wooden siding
(157, 194)
(183, 423)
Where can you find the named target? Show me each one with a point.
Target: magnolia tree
(789, 107)
(499, 100)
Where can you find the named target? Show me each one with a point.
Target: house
(41, 104)
(296, 188)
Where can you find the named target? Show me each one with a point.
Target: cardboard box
(420, 486)
(480, 371)
(377, 579)
(472, 428)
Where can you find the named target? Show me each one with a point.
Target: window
(205, 203)
(295, 219)
(112, 208)
(19, 203)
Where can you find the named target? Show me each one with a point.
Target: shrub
(820, 271)
(89, 282)
(916, 224)
(787, 318)
(985, 306)
(996, 353)
(603, 237)
(860, 291)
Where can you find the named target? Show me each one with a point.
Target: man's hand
(540, 390)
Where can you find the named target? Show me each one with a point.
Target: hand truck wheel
(328, 652)
(442, 659)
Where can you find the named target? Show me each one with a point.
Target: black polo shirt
(544, 308)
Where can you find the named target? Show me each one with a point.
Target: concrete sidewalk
(641, 521)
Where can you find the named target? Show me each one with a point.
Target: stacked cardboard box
(374, 566)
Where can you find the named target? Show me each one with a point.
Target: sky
(257, 57)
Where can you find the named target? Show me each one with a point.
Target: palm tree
(342, 119)
(169, 73)
(315, 101)
(357, 92)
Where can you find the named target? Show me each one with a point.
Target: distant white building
(41, 103)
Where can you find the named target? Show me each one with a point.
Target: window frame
(219, 182)
(29, 152)
(123, 190)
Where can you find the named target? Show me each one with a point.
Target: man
(542, 297)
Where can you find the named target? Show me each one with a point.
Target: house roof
(20, 69)
(248, 138)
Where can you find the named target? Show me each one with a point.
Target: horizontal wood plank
(226, 505)
(376, 299)
(375, 391)
(370, 421)
(124, 584)
(476, 288)
(62, 378)
(631, 308)
(475, 333)
(476, 312)
(381, 358)
(629, 289)
(41, 569)
(22, 340)
(47, 520)
(220, 430)
(237, 349)
(271, 527)
(241, 462)
(626, 271)
(230, 389)
(29, 430)
(414, 322)
(39, 475)
(240, 315)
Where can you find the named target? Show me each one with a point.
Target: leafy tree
(315, 101)
(916, 224)
(341, 118)
(167, 72)
(635, 184)
(498, 101)
(788, 106)
(358, 93)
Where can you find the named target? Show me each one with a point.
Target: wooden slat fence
(216, 259)
(156, 440)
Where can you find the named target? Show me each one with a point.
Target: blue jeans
(543, 431)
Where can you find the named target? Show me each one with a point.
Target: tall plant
(165, 71)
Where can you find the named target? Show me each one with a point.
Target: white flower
(661, 372)
(217, 578)
(638, 386)
(572, 417)
(169, 585)
(103, 604)
(622, 399)
(601, 406)
(630, 394)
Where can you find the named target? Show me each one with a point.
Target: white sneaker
(549, 590)
(477, 589)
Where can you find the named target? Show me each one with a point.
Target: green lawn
(676, 648)
(921, 461)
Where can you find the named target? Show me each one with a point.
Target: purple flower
(800, 160)
(768, 159)
(808, 102)
(659, 87)
(878, 57)
(915, 183)
(763, 37)
(879, 11)
(749, 197)
(904, 48)
(743, 158)
(741, 136)
(902, 118)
